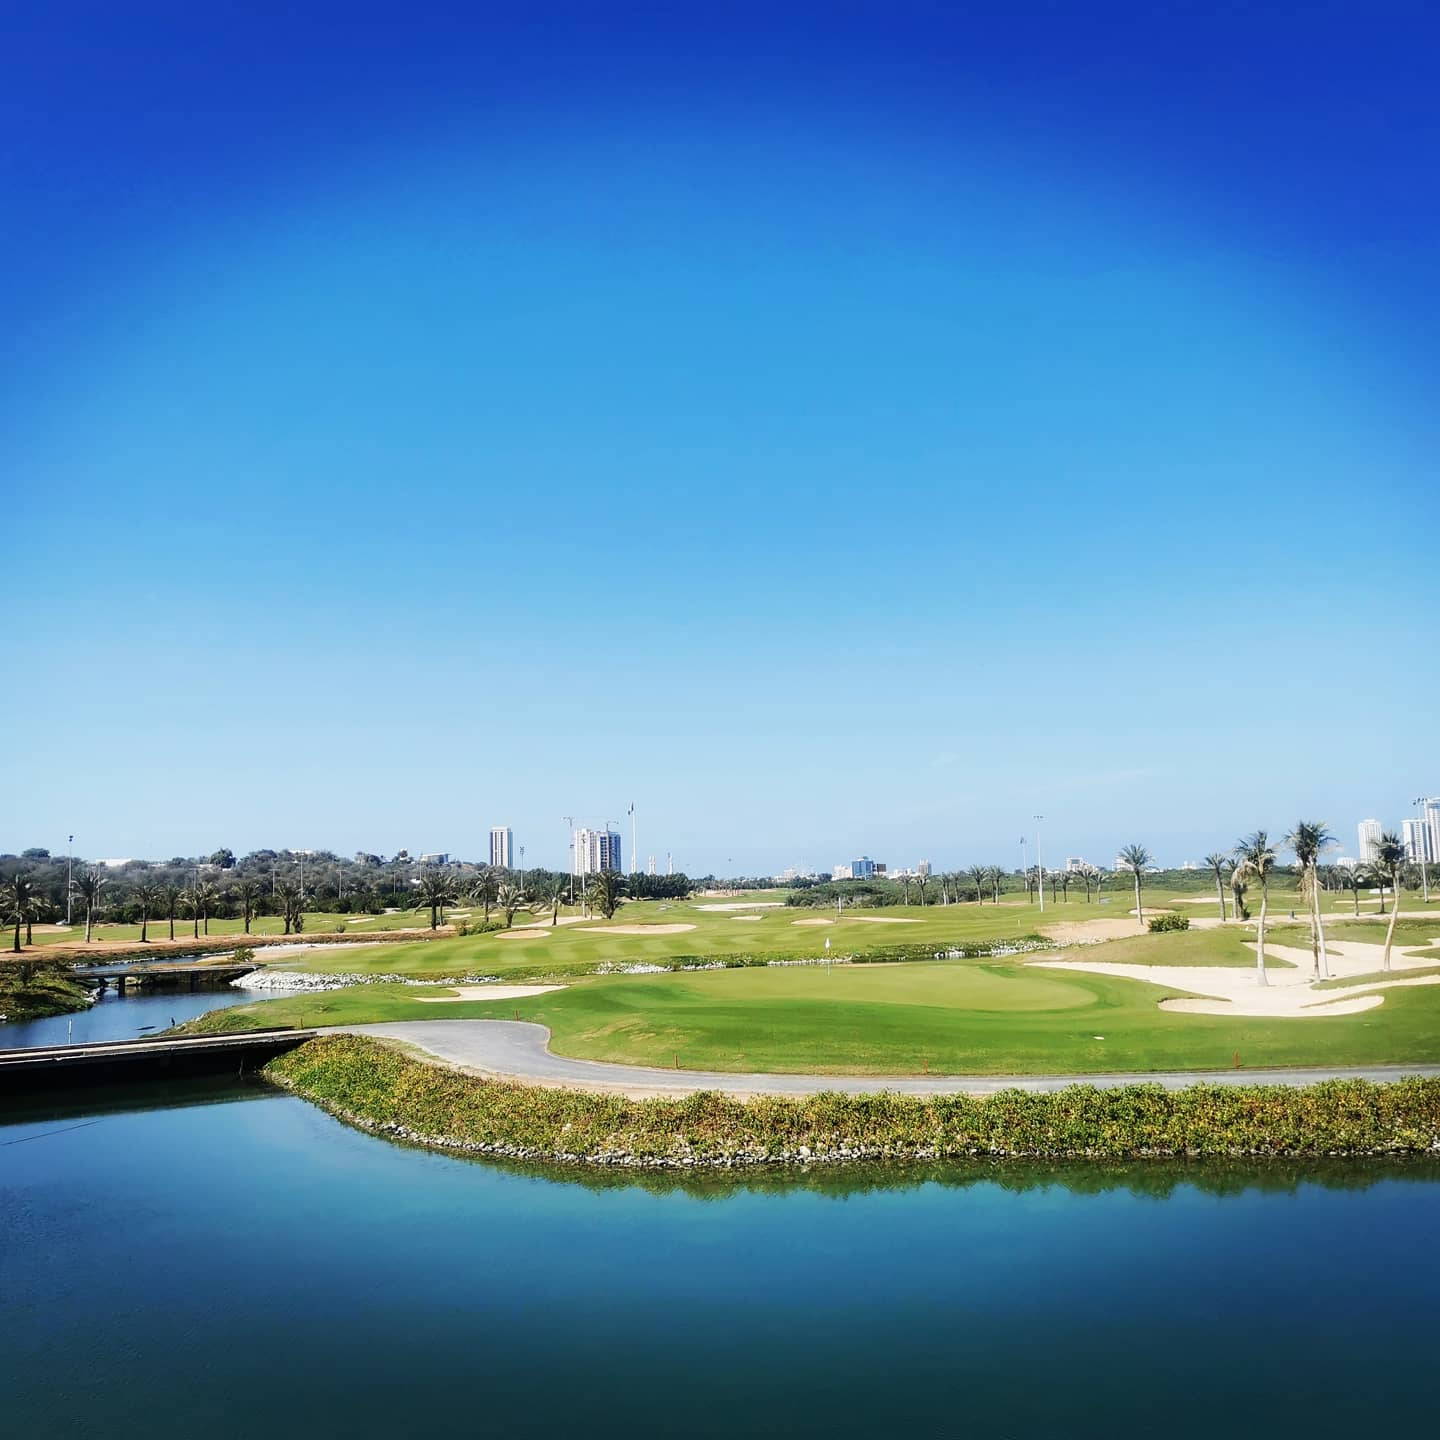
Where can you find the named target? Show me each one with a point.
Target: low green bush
(383, 1090)
(1157, 924)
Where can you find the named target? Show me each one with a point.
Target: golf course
(709, 990)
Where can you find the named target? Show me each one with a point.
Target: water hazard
(205, 1259)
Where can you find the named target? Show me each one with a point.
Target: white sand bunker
(747, 917)
(747, 905)
(487, 992)
(1289, 994)
(636, 929)
(526, 932)
(861, 920)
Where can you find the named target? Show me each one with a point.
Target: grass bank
(30, 991)
(385, 1091)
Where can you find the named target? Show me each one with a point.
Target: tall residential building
(1369, 832)
(923, 868)
(502, 846)
(1431, 813)
(597, 850)
(1420, 841)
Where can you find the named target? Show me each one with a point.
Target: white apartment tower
(597, 850)
(1420, 841)
(502, 846)
(1369, 832)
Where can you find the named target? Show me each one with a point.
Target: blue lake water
(215, 1261)
(115, 1017)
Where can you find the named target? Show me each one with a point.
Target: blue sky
(837, 429)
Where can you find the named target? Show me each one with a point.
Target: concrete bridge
(160, 975)
(66, 1066)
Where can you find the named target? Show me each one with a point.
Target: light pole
(522, 867)
(1425, 837)
(570, 845)
(69, 889)
(1024, 869)
(1039, 864)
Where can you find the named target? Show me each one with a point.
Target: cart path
(520, 1050)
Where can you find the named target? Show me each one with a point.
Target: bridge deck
(127, 1059)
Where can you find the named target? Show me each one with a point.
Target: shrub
(462, 927)
(244, 955)
(1169, 921)
(383, 1090)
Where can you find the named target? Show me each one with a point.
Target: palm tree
(1255, 860)
(485, 888)
(553, 892)
(148, 898)
(996, 876)
(604, 891)
(90, 883)
(248, 892)
(170, 896)
(292, 906)
(509, 898)
(1135, 859)
(437, 890)
(1238, 887)
(1307, 840)
(921, 881)
(19, 902)
(1390, 860)
(205, 895)
(979, 874)
(1219, 863)
(1348, 878)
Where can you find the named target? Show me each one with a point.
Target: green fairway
(959, 1017)
(699, 931)
(315, 923)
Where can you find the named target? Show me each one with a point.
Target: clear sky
(837, 429)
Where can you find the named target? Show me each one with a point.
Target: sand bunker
(750, 905)
(636, 929)
(747, 917)
(861, 920)
(1290, 994)
(527, 932)
(487, 992)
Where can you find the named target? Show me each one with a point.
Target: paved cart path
(520, 1050)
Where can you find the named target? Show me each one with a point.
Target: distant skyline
(839, 430)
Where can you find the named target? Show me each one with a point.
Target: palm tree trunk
(88, 912)
(1220, 891)
(1139, 908)
(1390, 928)
(1323, 955)
(143, 918)
(247, 917)
(172, 924)
(16, 946)
(1260, 976)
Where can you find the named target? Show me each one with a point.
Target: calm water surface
(114, 1017)
(234, 1263)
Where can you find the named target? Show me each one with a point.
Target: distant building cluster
(1421, 836)
(862, 869)
(597, 850)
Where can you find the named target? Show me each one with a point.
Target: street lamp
(69, 889)
(1039, 864)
